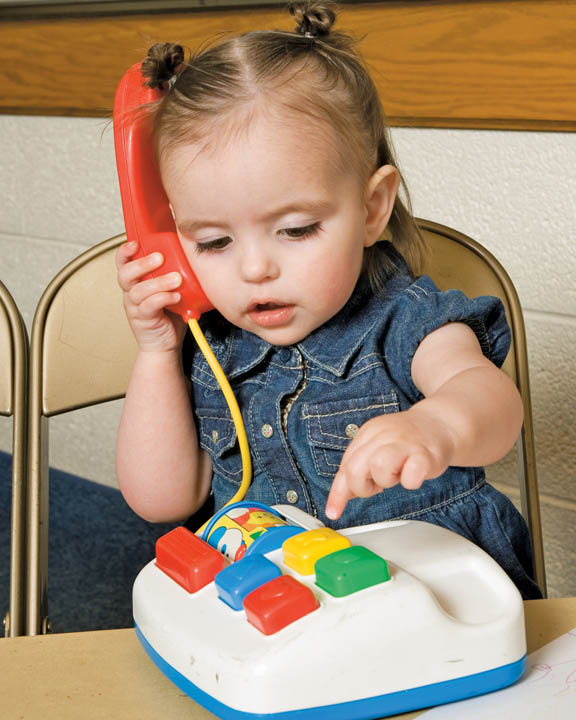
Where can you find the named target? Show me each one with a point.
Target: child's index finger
(337, 497)
(125, 252)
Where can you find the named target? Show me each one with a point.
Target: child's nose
(258, 265)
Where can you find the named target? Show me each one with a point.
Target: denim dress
(302, 404)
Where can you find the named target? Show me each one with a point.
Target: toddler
(367, 394)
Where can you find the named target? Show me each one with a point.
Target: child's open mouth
(270, 313)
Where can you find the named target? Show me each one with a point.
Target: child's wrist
(161, 359)
(445, 439)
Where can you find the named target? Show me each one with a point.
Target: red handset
(145, 206)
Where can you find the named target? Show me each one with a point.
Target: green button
(346, 571)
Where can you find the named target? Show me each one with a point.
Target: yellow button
(301, 551)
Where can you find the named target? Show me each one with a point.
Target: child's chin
(279, 336)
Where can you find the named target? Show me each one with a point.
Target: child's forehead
(259, 135)
(269, 169)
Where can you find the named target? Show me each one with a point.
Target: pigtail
(163, 64)
(313, 19)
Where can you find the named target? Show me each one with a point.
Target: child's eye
(301, 232)
(216, 244)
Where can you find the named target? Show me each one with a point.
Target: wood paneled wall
(479, 64)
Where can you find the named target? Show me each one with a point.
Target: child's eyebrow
(312, 206)
(189, 226)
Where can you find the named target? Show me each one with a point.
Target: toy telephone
(148, 220)
(147, 214)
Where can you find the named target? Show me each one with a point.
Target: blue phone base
(374, 707)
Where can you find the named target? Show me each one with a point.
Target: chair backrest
(13, 403)
(82, 352)
(457, 261)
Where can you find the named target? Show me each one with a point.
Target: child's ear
(380, 197)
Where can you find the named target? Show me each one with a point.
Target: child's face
(273, 229)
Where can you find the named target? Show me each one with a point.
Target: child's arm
(162, 472)
(470, 416)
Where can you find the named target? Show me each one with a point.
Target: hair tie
(172, 80)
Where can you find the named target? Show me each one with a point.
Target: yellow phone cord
(234, 411)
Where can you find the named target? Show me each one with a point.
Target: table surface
(106, 674)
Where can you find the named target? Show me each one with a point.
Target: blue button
(272, 539)
(235, 581)
(285, 354)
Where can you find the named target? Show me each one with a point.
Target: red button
(278, 603)
(187, 559)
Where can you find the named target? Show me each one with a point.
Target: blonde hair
(314, 71)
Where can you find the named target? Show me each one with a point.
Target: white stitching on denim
(464, 494)
(365, 357)
(225, 443)
(313, 377)
(341, 447)
(217, 462)
(413, 288)
(503, 530)
(423, 290)
(328, 463)
(321, 433)
(487, 338)
(364, 369)
(305, 416)
(212, 384)
(232, 475)
(202, 416)
(326, 381)
(204, 372)
(316, 453)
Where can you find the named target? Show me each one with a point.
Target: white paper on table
(546, 691)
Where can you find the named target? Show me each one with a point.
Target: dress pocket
(331, 425)
(217, 435)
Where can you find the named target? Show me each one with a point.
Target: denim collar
(330, 346)
(333, 344)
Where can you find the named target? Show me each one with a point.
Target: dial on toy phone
(145, 206)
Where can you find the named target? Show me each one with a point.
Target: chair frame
(37, 488)
(14, 620)
(528, 478)
(37, 621)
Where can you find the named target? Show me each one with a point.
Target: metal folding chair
(13, 403)
(457, 261)
(81, 354)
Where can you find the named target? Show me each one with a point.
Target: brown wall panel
(490, 64)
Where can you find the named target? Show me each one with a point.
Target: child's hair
(312, 71)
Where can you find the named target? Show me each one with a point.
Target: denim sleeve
(422, 308)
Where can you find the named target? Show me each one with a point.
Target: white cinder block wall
(515, 192)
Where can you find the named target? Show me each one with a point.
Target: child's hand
(145, 300)
(407, 448)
